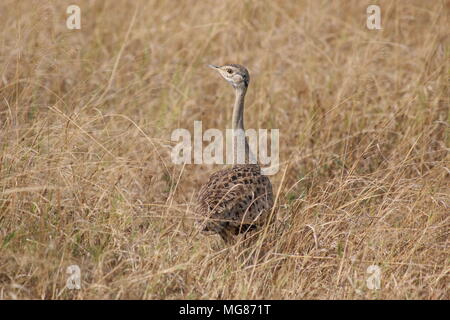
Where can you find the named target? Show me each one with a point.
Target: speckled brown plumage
(235, 200)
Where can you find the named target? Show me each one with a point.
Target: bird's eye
(229, 70)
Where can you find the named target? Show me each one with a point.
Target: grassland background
(85, 171)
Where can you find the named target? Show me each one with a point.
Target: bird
(239, 198)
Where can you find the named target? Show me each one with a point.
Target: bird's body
(239, 198)
(235, 200)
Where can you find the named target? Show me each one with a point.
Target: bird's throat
(238, 126)
(238, 111)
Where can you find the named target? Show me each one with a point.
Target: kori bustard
(240, 198)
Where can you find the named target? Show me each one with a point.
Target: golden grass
(85, 171)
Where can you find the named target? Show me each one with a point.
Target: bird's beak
(213, 66)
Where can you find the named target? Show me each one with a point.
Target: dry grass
(86, 176)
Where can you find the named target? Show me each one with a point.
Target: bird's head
(235, 74)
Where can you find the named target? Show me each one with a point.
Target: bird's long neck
(238, 111)
(238, 123)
